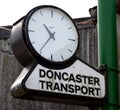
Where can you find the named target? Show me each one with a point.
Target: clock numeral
(31, 30)
(41, 13)
(69, 28)
(70, 50)
(62, 57)
(51, 57)
(40, 52)
(33, 19)
(52, 14)
(33, 42)
(62, 18)
(71, 39)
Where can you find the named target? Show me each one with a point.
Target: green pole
(108, 49)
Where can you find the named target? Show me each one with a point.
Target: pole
(108, 49)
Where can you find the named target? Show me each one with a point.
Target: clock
(47, 34)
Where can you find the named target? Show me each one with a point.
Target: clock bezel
(30, 46)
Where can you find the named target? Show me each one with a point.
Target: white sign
(78, 79)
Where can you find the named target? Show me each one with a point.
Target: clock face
(51, 34)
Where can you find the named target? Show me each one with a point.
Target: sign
(76, 81)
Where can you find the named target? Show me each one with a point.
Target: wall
(10, 69)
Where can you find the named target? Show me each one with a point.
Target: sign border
(27, 93)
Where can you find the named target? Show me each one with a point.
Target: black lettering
(64, 87)
(78, 78)
(49, 85)
(71, 78)
(96, 81)
(56, 86)
(77, 88)
(84, 78)
(42, 83)
(90, 80)
(91, 91)
(97, 91)
(57, 75)
(41, 73)
(71, 88)
(65, 76)
(49, 74)
(84, 90)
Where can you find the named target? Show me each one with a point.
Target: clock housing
(47, 34)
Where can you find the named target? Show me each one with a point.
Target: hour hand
(50, 33)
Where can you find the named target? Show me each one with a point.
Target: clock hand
(45, 43)
(50, 33)
(51, 36)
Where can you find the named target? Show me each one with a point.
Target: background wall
(10, 68)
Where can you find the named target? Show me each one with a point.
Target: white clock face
(52, 34)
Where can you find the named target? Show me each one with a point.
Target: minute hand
(50, 37)
(50, 33)
(45, 43)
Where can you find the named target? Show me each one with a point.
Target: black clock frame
(22, 47)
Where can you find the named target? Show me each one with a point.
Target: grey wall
(10, 69)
